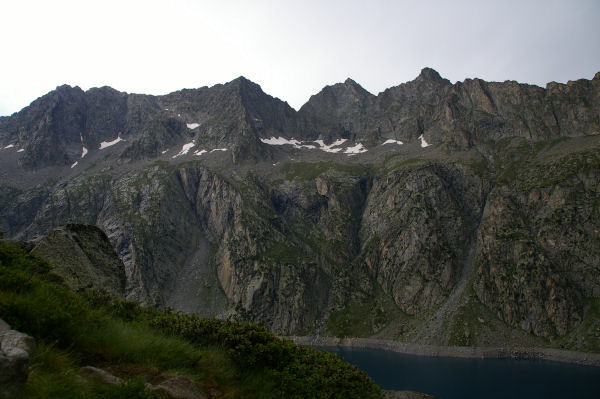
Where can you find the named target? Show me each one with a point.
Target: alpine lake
(450, 378)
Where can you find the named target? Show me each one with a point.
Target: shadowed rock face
(499, 217)
(84, 257)
(538, 254)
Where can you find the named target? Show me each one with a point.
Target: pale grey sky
(291, 48)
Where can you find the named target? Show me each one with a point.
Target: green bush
(296, 371)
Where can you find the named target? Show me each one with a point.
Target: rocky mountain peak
(104, 90)
(63, 93)
(245, 85)
(66, 88)
(335, 112)
(345, 91)
(340, 97)
(430, 75)
(55, 129)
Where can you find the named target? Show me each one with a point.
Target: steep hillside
(434, 212)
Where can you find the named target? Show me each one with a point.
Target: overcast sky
(291, 48)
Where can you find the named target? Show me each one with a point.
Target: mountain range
(435, 213)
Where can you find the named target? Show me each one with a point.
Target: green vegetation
(535, 165)
(481, 166)
(545, 174)
(467, 324)
(284, 254)
(138, 343)
(362, 318)
(549, 144)
(310, 171)
(392, 165)
(586, 337)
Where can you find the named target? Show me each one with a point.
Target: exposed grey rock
(14, 363)
(15, 348)
(84, 257)
(100, 375)
(179, 388)
(16, 339)
(415, 221)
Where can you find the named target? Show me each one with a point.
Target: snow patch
(74, 164)
(164, 152)
(357, 149)
(200, 152)
(423, 142)
(392, 141)
(106, 144)
(329, 148)
(297, 144)
(84, 151)
(219, 149)
(281, 141)
(184, 149)
(192, 125)
(9, 146)
(21, 150)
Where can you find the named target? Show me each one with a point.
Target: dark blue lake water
(448, 378)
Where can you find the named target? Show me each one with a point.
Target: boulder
(16, 339)
(179, 388)
(15, 348)
(100, 375)
(14, 363)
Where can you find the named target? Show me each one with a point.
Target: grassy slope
(226, 359)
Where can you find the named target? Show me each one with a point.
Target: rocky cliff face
(459, 115)
(418, 220)
(482, 228)
(84, 257)
(538, 255)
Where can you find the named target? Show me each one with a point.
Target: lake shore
(584, 358)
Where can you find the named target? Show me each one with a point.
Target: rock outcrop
(178, 388)
(15, 348)
(100, 375)
(84, 257)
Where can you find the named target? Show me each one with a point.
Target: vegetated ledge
(557, 355)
